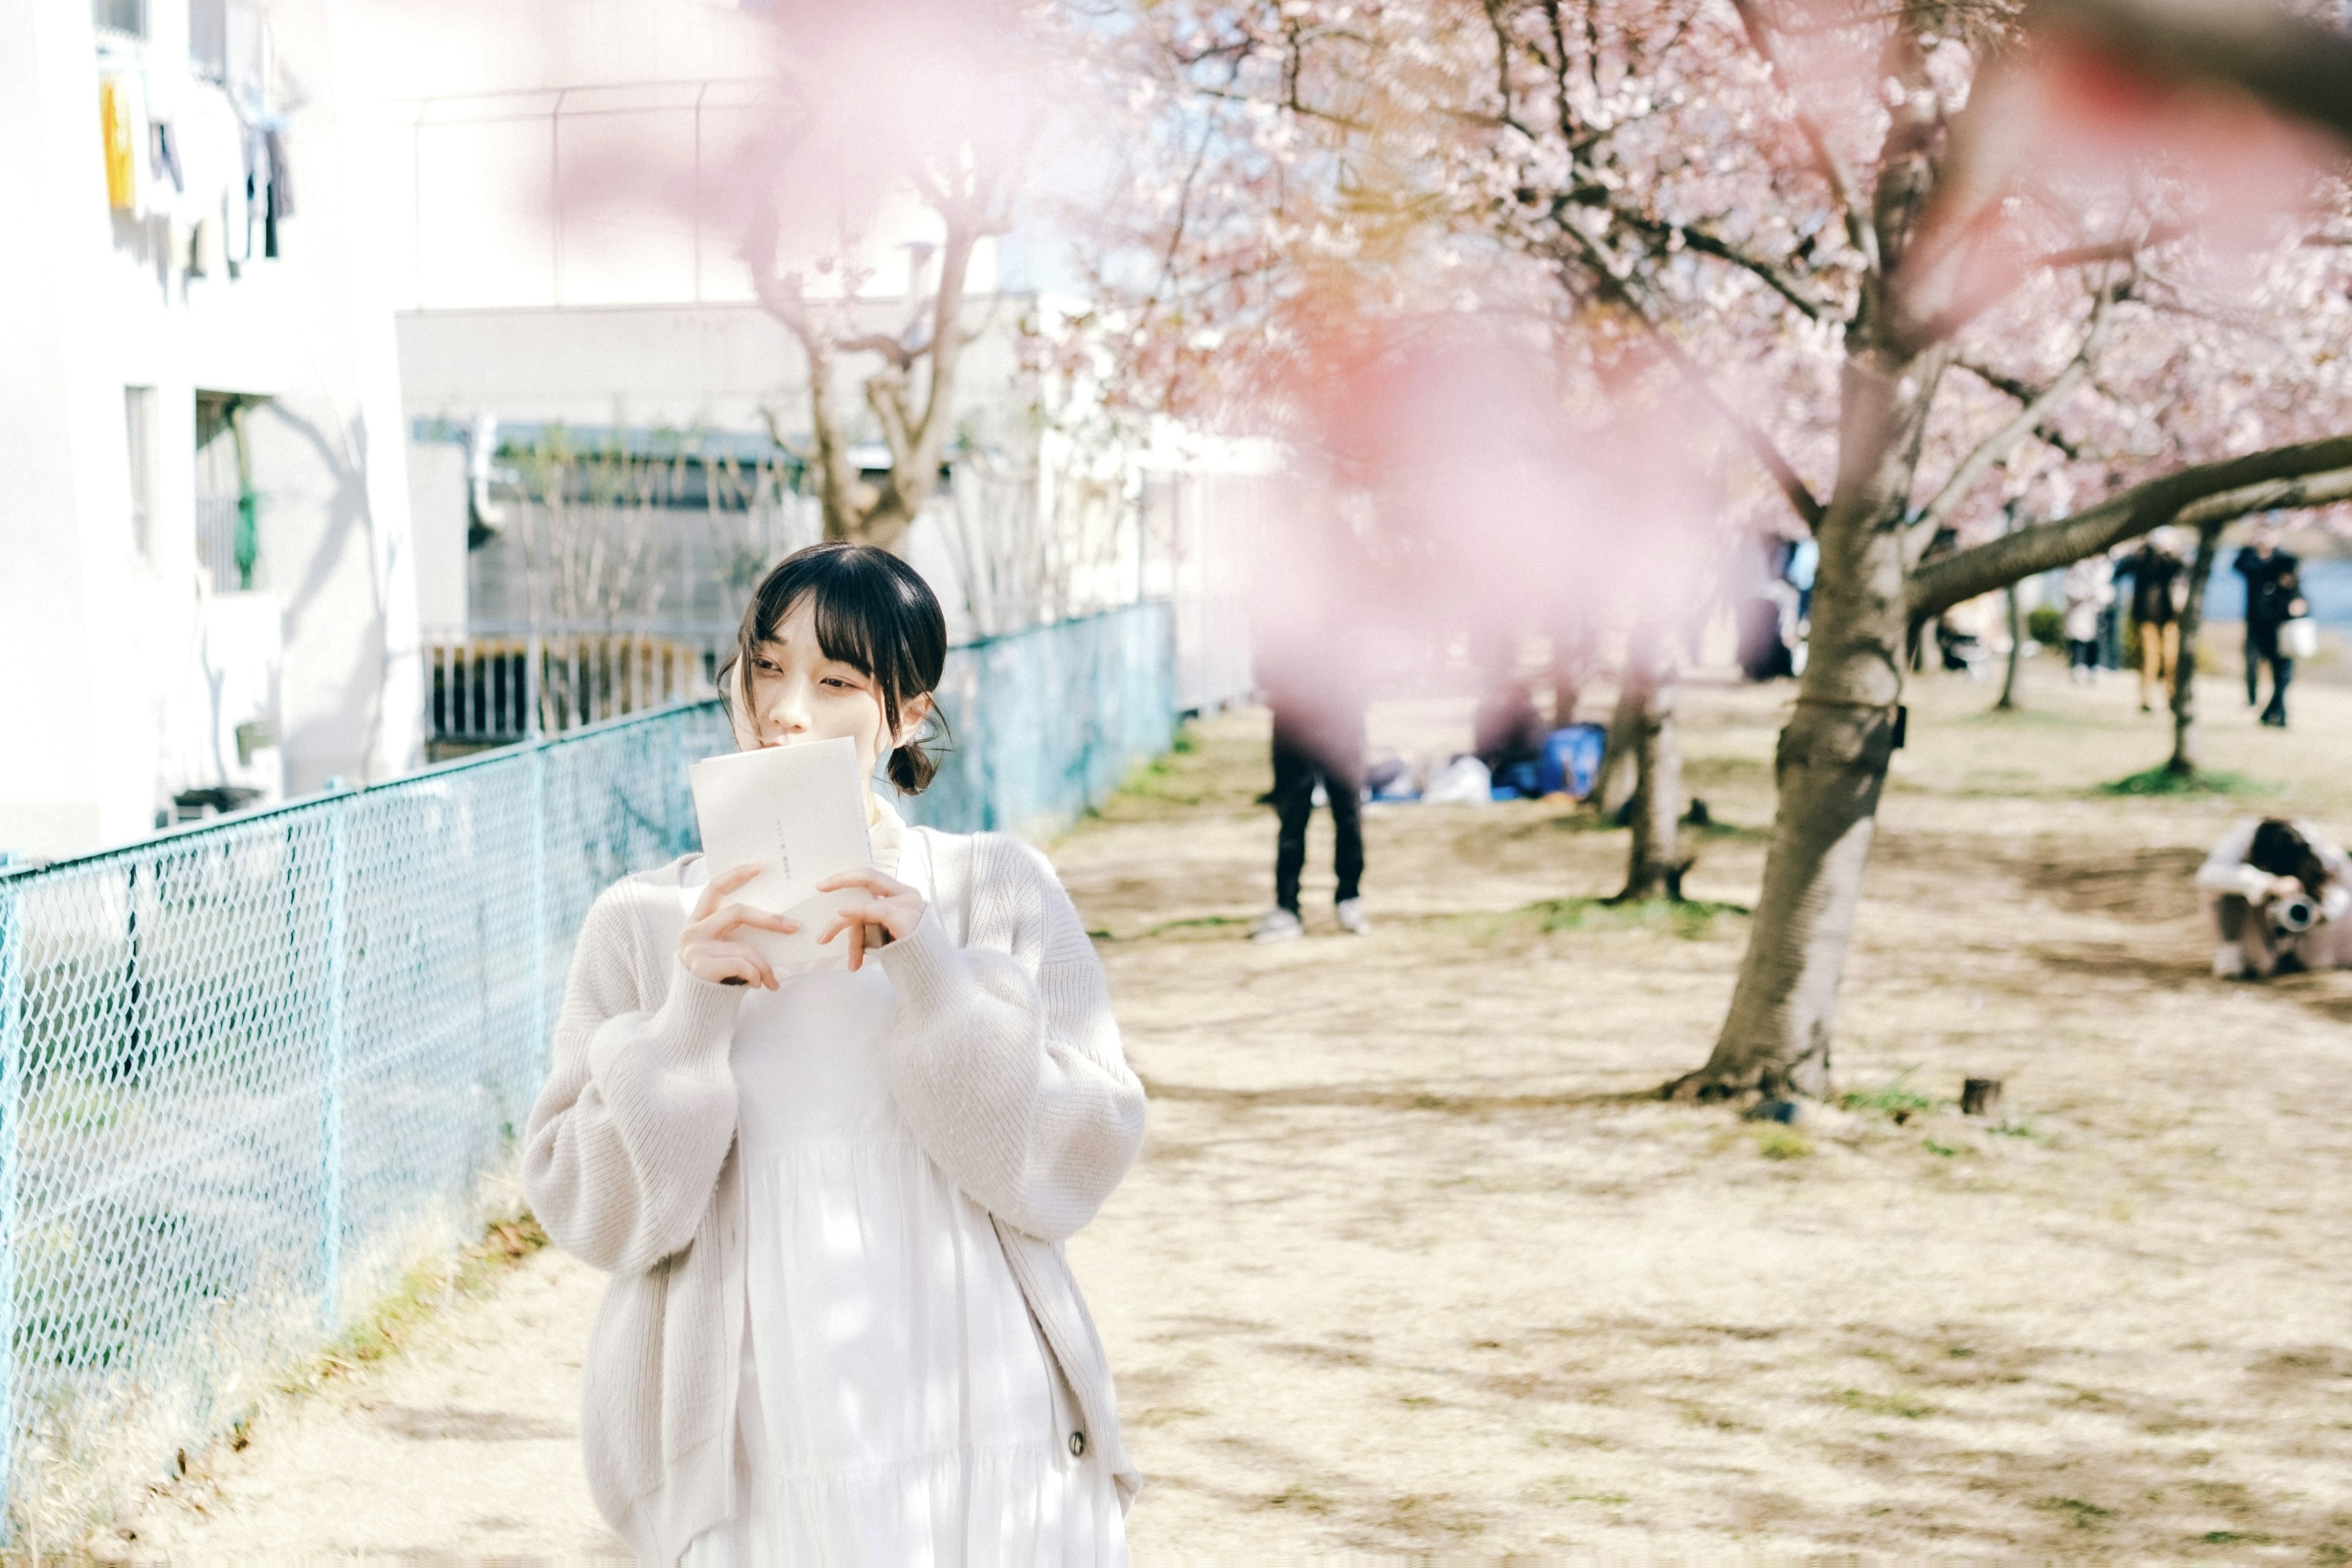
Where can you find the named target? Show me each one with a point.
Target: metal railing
(496, 689)
(251, 1072)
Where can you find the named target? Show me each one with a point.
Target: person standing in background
(1311, 667)
(1318, 739)
(2155, 577)
(2090, 589)
(2273, 597)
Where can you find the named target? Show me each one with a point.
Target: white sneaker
(1277, 924)
(2229, 962)
(1352, 918)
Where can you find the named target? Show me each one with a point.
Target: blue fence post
(12, 1054)
(538, 1041)
(330, 1131)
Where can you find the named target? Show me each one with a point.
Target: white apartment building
(206, 578)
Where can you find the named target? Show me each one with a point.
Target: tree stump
(1980, 1097)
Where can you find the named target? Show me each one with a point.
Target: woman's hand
(892, 909)
(708, 947)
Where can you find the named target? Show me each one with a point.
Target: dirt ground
(1413, 1268)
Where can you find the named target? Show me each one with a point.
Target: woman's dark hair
(2280, 851)
(872, 614)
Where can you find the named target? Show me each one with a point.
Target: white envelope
(798, 811)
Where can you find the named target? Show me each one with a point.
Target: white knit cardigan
(1004, 1060)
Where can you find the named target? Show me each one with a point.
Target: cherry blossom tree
(1920, 263)
(904, 126)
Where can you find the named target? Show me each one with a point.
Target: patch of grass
(1167, 780)
(1301, 1499)
(1893, 1099)
(2159, 782)
(1689, 917)
(1777, 1141)
(392, 1324)
(2075, 1511)
(1191, 922)
(1904, 1406)
(1942, 1149)
(1166, 1415)
(2233, 1538)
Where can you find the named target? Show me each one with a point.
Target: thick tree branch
(2311, 473)
(901, 357)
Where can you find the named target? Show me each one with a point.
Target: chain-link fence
(251, 1072)
(1043, 724)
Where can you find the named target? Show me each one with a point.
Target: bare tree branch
(1858, 229)
(2311, 473)
(1800, 497)
(1997, 445)
(1707, 243)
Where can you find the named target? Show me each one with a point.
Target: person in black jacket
(2273, 597)
(2155, 570)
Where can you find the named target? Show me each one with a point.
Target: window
(228, 541)
(225, 45)
(138, 428)
(119, 16)
(208, 39)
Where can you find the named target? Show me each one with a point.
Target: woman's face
(792, 692)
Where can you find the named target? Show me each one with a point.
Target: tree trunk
(1657, 863)
(2016, 652)
(1621, 770)
(2183, 763)
(1832, 757)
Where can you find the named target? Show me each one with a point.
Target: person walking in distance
(2273, 597)
(2155, 576)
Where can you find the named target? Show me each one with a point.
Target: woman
(2158, 587)
(2277, 896)
(839, 1327)
(2090, 587)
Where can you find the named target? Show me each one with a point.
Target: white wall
(116, 664)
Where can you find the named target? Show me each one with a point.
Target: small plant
(2074, 1511)
(1904, 1406)
(2163, 782)
(1777, 1141)
(1689, 919)
(1893, 1100)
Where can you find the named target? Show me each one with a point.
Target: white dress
(898, 1404)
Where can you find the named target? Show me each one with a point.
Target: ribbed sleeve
(625, 1144)
(1006, 1062)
